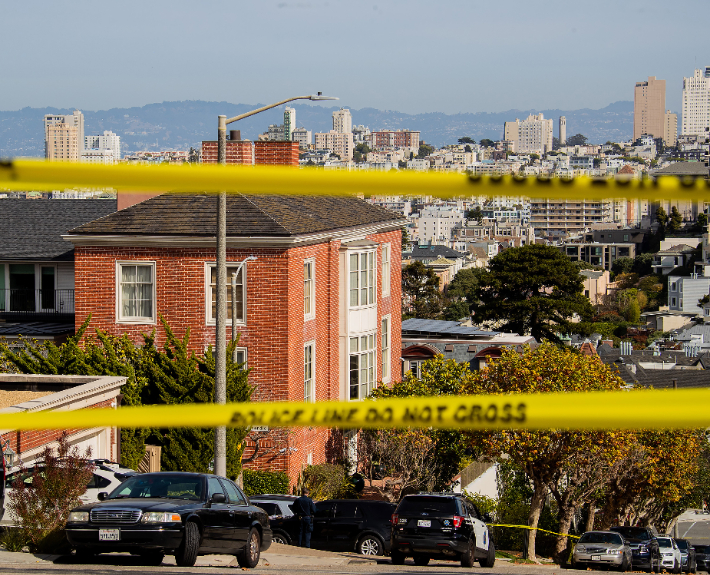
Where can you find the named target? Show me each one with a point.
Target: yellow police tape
(43, 175)
(533, 529)
(596, 410)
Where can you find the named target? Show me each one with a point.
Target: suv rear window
(414, 505)
(632, 532)
(270, 508)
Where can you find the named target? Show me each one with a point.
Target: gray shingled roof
(433, 251)
(32, 229)
(35, 329)
(254, 215)
(441, 328)
(683, 169)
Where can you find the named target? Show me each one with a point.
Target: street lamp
(220, 379)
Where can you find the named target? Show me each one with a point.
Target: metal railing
(37, 301)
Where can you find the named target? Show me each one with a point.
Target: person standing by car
(305, 509)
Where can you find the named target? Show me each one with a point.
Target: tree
(533, 289)
(661, 217)
(487, 143)
(468, 149)
(701, 224)
(544, 455)
(534, 157)
(424, 150)
(555, 143)
(676, 220)
(363, 148)
(622, 266)
(461, 293)
(466, 140)
(420, 285)
(358, 158)
(577, 140)
(475, 214)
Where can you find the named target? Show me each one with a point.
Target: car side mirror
(218, 498)
(103, 496)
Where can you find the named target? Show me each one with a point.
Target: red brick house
(318, 310)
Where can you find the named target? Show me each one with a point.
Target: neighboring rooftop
(253, 215)
(693, 169)
(442, 329)
(419, 252)
(32, 229)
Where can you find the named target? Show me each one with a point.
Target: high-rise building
(62, 143)
(337, 143)
(289, 123)
(696, 103)
(107, 141)
(563, 130)
(75, 120)
(342, 121)
(670, 128)
(649, 108)
(303, 137)
(532, 135)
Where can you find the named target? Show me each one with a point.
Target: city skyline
(516, 55)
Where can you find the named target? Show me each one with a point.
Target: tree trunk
(536, 505)
(591, 509)
(566, 516)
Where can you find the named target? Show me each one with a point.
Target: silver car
(602, 548)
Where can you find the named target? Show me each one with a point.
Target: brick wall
(276, 153)
(238, 152)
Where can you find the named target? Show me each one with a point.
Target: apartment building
(670, 129)
(62, 148)
(512, 233)
(649, 107)
(532, 135)
(289, 123)
(337, 143)
(342, 121)
(102, 142)
(598, 254)
(389, 139)
(554, 218)
(303, 137)
(696, 103)
(436, 224)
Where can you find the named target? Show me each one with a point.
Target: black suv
(644, 547)
(687, 556)
(338, 525)
(440, 525)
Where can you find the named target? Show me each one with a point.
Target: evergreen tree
(676, 220)
(421, 285)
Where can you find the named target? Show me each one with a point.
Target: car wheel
(397, 558)
(249, 556)
(469, 556)
(281, 538)
(152, 558)
(421, 560)
(676, 568)
(371, 545)
(490, 558)
(624, 564)
(186, 554)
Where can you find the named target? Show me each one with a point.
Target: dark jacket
(304, 507)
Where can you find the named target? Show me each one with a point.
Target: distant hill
(179, 125)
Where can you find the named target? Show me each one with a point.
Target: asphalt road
(695, 527)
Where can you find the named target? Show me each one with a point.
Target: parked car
(670, 554)
(702, 557)
(183, 514)
(106, 477)
(602, 548)
(688, 562)
(284, 524)
(644, 547)
(440, 525)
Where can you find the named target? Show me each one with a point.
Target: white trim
(359, 251)
(386, 377)
(208, 292)
(344, 235)
(386, 284)
(130, 319)
(312, 299)
(312, 345)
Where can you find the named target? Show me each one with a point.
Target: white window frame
(309, 372)
(366, 359)
(415, 366)
(209, 320)
(309, 301)
(386, 348)
(386, 269)
(120, 318)
(243, 352)
(357, 275)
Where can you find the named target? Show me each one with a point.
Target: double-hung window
(136, 292)
(240, 300)
(385, 270)
(309, 293)
(309, 364)
(385, 348)
(362, 278)
(362, 366)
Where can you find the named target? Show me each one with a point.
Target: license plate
(109, 535)
(596, 557)
(424, 523)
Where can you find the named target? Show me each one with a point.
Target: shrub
(57, 481)
(327, 481)
(260, 482)
(13, 539)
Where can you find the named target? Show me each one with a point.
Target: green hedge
(261, 482)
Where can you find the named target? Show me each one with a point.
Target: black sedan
(183, 514)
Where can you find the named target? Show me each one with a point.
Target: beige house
(596, 284)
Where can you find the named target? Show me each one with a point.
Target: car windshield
(663, 542)
(682, 544)
(430, 505)
(164, 485)
(701, 549)
(633, 533)
(596, 537)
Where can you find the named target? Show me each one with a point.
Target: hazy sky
(407, 55)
